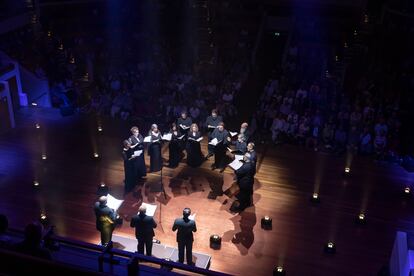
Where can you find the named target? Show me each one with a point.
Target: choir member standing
(184, 122)
(154, 149)
(240, 146)
(253, 154)
(212, 122)
(220, 149)
(137, 143)
(245, 130)
(130, 165)
(245, 180)
(175, 146)
(194, 155)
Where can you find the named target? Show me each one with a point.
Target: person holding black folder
(185, 227)
(154, 149)
(130, 166)
(144, 230)
(245, 180)
(240, 146)
(193, 148)
(137, 144)
(105, 220)
(219, 135)
(184, 123)
(175, 146)
(212, 122)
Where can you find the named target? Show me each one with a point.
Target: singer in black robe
(220, 149)
(137, 143)
(154, 149)
(194, 155)
(240, 146)
(175, 147)
(184, 123)
(211, 124)
(130, 167)
(245, 180)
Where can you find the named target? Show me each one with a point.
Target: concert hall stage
(286, 177)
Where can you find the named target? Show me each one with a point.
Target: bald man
(105, 220)
(144, 230)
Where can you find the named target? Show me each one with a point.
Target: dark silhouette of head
(186, 212)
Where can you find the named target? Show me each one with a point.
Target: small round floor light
(215, 241)
(266, 222)
(315, 198)
(330, 248)
(279, 271)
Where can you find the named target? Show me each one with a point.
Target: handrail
(130, 255)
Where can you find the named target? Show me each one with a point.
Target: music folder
(167, 137)
(214, 142)
(147, 139)
(235, 152)
(184, 127)
(151, 208)
(236, 164)
(232, 134)
(113, 203)
(137, 153)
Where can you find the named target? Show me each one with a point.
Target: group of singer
(184, 135)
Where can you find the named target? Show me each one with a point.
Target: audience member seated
(32, 243)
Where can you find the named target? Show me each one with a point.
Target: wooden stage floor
(287, 176)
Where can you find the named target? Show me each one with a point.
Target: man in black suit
(144, 230)
(185, 238)
(105, 220)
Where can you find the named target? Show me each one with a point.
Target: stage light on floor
(330, 248)
(315, 198)
(44, 157)
(43, 219)
(215, 241)
(266, 222)
(96, 155)
(37, 125)
(279, 271)
(361, 219)
(103, 190)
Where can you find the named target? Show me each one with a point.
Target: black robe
(212, 122)
(220, 148)
(130, 169)
(245, 180)
(185, 122)
(193, 148)
(241, 147)
(175, 149)
(138, 144)
(154, 151)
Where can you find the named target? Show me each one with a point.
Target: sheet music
(199, 139)
(238, 157)
(214, 142)
(113, 203)
(236, 164)
(229, 149)
(232, 133)
(181, 137)
(167, 137)
(211, 126)
(147, 139)
(137, 153)
(150, 209)
(192, 217)
(184, 127)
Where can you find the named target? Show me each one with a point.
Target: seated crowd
(32, 243)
